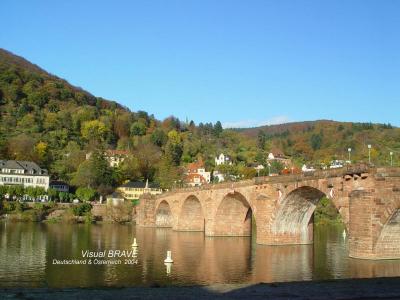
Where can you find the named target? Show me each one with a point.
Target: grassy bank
(52, 212)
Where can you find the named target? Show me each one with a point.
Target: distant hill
(45, 119)
(292, 127)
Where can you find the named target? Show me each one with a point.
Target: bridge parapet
(331, 173)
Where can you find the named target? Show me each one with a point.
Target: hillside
(47, 120)
(293, 127)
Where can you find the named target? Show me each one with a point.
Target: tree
(316, 141)
(174, 147)
(138, 129)
(22, 147)
(86, 194)
(167, 174)
(218, 129)
(70, 159)
(159, 138)
(94, 172)
(276, 167)
(121, 125)
(94, 130)
(147, 156)
(41, 150)
(261, 139)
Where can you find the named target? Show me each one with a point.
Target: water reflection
(27, 251)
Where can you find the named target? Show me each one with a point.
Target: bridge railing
(339, 172)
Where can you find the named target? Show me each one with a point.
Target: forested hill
(20, 79)
(281, 128)
(45, 119)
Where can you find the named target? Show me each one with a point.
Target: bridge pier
(375, 224)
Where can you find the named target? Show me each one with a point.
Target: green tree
(168, 174)
(174, 147)
(158, 137)
(94, 130)
(138, 129)
(94, 172)
(86, 194)
(316, 141)
(218, 129)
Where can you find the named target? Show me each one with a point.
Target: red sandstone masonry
(282, 206)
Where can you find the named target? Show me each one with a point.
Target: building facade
(222, 159)
(59, 186)
(279, 157)
(196, 174)
(25, 173)
(113, 157)
(132, 190)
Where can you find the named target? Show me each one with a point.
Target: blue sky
(244, 63)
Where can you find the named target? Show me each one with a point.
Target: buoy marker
(169, 257)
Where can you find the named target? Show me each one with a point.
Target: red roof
(192, 177)
(193, 167)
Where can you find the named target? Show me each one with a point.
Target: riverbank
(51, 212)
(376, 288)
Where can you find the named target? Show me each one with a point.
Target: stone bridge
(282, 207)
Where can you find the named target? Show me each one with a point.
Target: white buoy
(169, 257)
(168, 265)
(344, 234)
(134, 244)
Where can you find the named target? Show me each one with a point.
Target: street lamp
(349, 150)
(391, 158)
(369, 153)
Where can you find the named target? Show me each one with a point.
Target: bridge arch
(164, 216)
(191, 216)
(388, 239)
(293, 221)
(233, 216)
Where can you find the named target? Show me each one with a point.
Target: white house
(219, 175)
(222, 159)
(280, 157)
(25, 173)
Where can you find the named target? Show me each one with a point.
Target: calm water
(27, 251)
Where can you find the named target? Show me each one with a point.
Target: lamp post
(349, 150)
(391, 158)
(369, 153)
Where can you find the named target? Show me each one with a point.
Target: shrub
(89, 219)
(81, 209)
(8, 206)
(32, 215)
(38, 206)
(326, 212)
(20, 206)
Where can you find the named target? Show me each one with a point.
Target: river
(28, 252)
